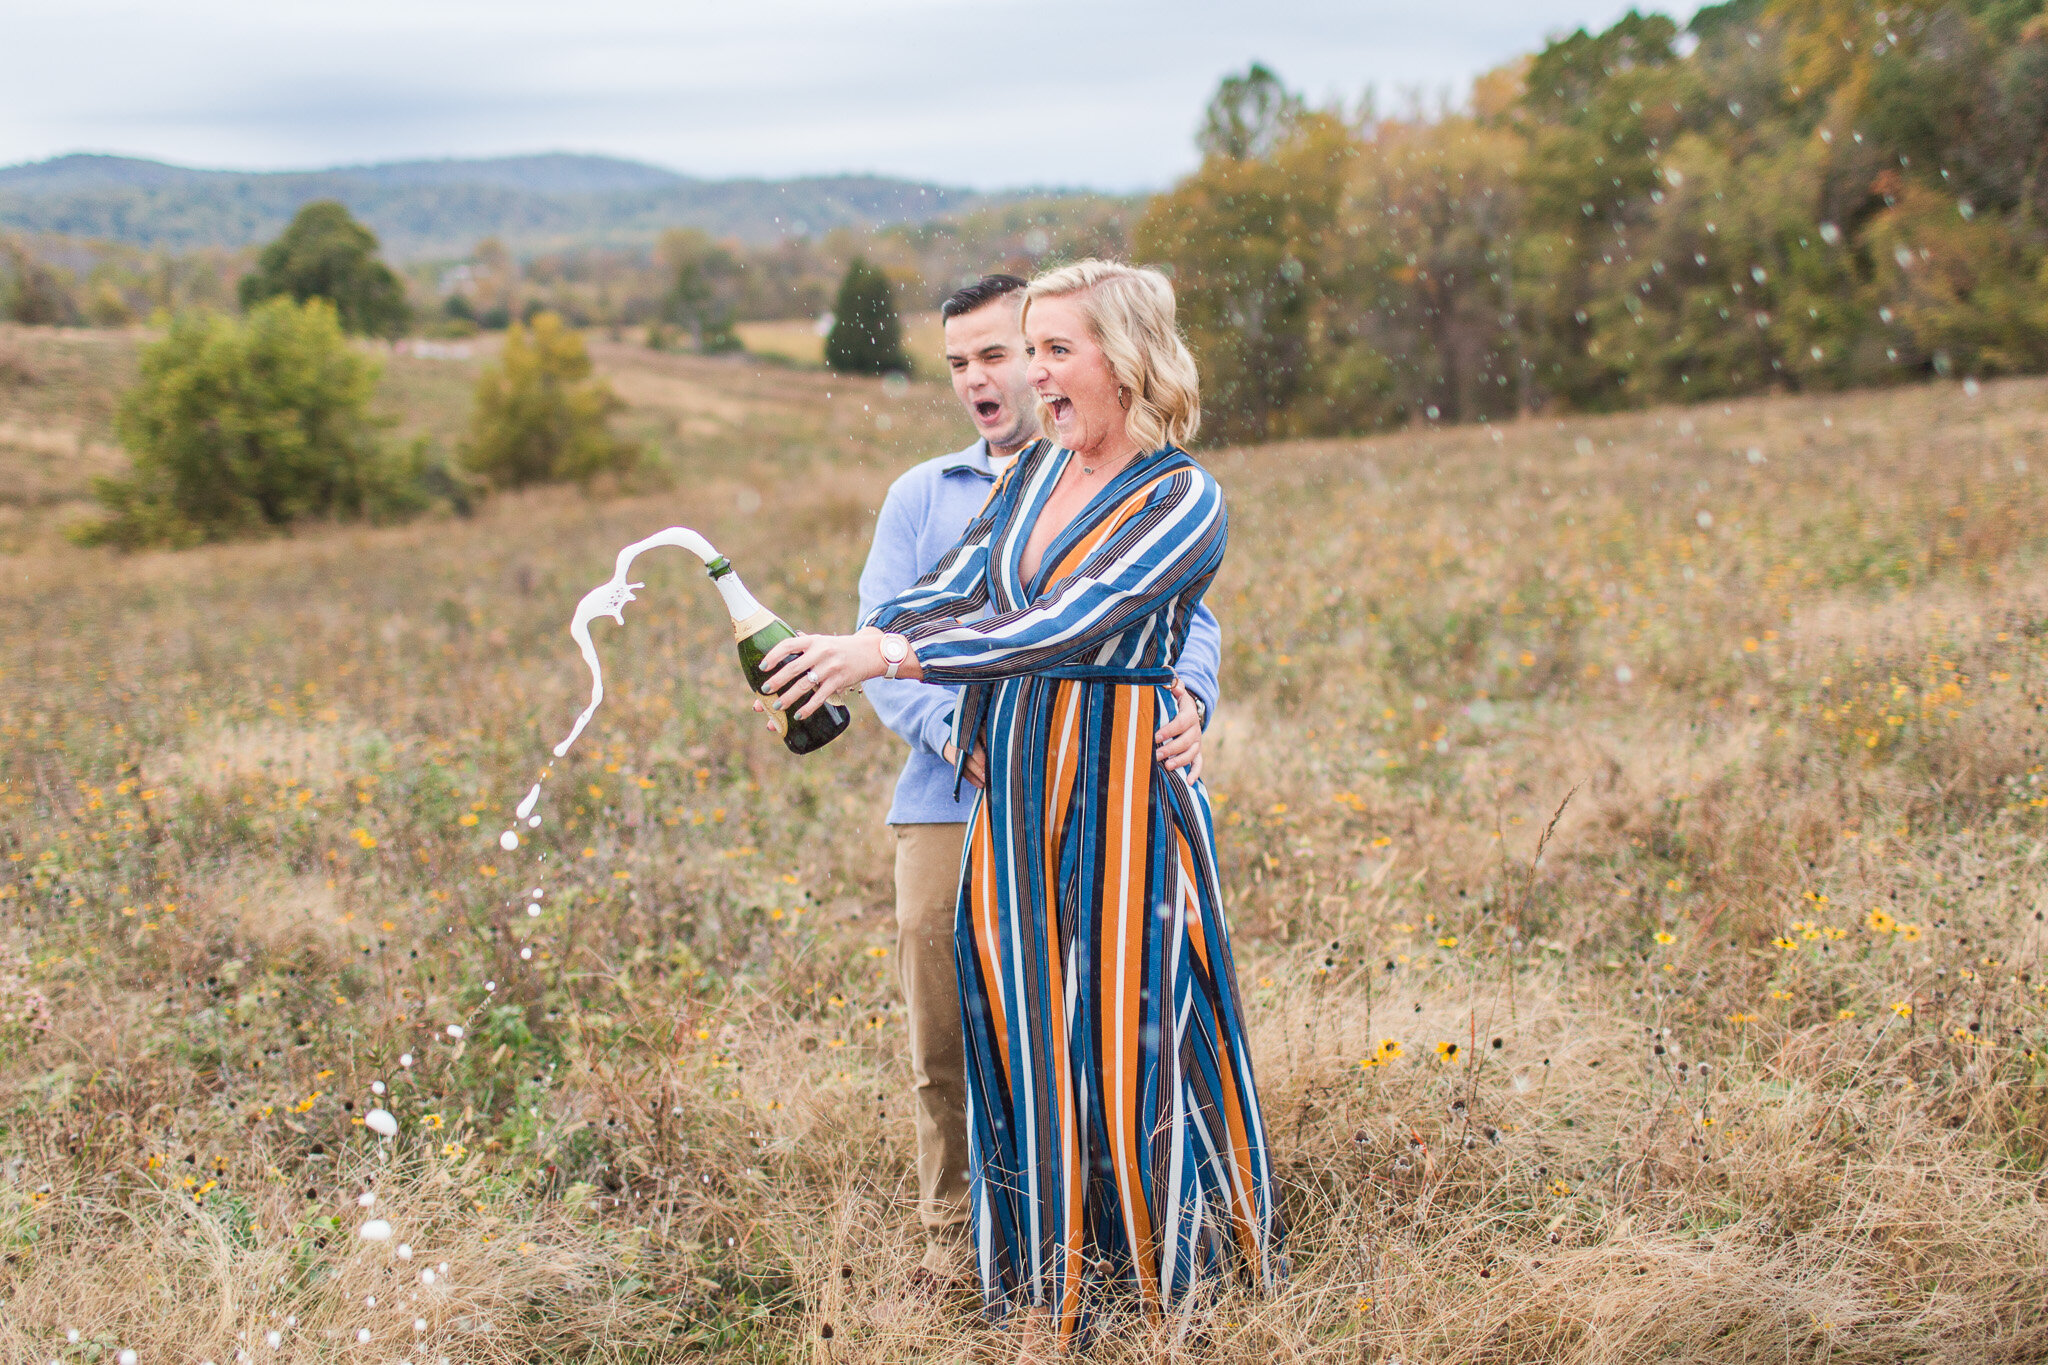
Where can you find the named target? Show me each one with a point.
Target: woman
(1114, 1128)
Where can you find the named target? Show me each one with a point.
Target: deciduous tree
(704, 290)
(327, 254)
(242, 426)
(1247, 237)
(541, 415)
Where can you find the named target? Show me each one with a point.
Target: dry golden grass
(796, 339)
(1746, 1067)
(799, 341)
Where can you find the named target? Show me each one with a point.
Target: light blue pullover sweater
(925, 514)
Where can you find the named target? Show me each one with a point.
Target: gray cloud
(1057, 92)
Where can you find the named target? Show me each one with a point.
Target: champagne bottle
(759, 630)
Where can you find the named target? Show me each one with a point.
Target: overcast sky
(1002, 93)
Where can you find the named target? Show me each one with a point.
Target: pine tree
(866, 336)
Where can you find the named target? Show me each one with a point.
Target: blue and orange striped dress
(1114, 1128)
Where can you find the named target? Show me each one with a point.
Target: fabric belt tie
(970, 717)
(1111, 673)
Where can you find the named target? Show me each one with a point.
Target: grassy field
(1743, 1064)
(800, 342)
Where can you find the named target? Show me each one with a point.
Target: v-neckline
(1034, 586)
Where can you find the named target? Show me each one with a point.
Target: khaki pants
(927, 888)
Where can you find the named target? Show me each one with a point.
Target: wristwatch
(895, 649)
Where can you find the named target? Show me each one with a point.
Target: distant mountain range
(441, 208)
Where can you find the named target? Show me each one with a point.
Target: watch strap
(897, 662)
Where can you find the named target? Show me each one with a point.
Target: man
(925, 514)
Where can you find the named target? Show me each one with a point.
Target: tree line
(685, 288)
(1780, 195)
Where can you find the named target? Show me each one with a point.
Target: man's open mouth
(987, 409)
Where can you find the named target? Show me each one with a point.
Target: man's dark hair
(981, 293)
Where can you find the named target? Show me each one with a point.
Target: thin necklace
(1089, 469)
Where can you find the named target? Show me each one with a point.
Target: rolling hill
(433, 208)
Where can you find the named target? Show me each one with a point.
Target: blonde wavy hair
(1130, 316)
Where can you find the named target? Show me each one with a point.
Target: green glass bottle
(759, 630)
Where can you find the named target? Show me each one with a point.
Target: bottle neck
(748, 615)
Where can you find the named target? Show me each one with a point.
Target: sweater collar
(973, 460)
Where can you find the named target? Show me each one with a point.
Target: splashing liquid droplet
(508, 841)
(526, 806)
(609, 599)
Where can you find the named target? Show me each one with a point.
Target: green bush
(540, 415)
(243, 426)
(866, 335)
(326, 254)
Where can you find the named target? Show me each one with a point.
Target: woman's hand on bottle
(820, 666)
(1179, 741)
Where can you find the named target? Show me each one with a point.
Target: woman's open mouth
(1061, 408)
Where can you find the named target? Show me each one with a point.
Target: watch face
(895, 648)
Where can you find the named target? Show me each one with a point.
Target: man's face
(985, 351)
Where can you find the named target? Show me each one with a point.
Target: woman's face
(1072, 378)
